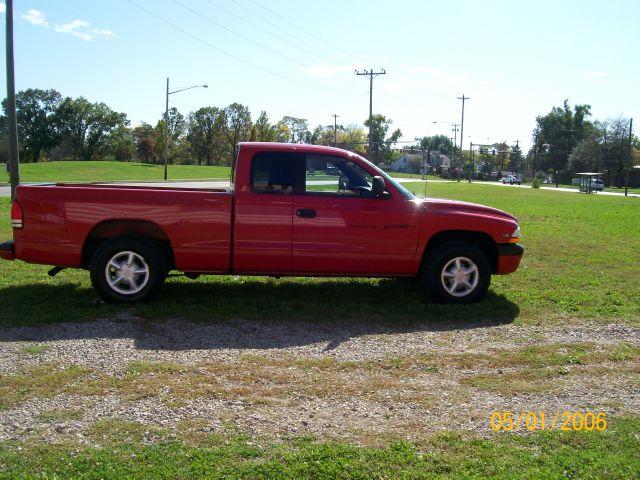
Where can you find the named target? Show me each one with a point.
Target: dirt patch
(291, 378)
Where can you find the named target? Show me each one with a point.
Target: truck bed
(61, 217)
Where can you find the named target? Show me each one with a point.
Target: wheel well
(122, 228)
(481, 239)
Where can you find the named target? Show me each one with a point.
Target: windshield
(403, 191)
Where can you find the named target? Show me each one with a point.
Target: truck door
(264, 212)
(339, 228)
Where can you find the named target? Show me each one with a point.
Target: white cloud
(3, 8)
(83, 30)
(34, 17)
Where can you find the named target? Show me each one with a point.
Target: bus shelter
(587, 181)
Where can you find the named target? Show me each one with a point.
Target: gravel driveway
(331, 379)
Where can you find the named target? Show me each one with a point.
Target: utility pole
(455, 138)
(14, 155)
(472, 161)
(165, 152)
(335, 130)
(463, 98)
(626, 177)
(535, 155)
(371, 74)
(455, 143)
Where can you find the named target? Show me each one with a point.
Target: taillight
(16, 215)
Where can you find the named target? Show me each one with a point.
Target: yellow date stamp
(507, 421)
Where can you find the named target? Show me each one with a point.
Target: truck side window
(277, 173)
(327, 175)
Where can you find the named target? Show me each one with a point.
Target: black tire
(441, 257)
(147, 257)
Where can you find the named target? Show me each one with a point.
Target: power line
(279, 28)
(297, 26)
(255, 25)
(224, 52)
(248, 39)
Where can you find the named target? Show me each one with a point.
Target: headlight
(516, 232)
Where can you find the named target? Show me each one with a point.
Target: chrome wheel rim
(127, 273)
(460, 276)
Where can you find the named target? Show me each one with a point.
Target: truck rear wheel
(457, 272)
(127, 269)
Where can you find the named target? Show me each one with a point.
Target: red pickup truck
(292, 210)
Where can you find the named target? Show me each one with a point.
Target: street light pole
(165, 152)
(14, 154)
(626, 178)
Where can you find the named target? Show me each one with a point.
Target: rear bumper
(6, 250)
(509, 256)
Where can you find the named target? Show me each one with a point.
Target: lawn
(581, 262)
(612, 454)
(98, 171)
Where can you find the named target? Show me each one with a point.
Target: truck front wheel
(127, 269)
(457, 272)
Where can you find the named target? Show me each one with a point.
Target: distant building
(413, 162)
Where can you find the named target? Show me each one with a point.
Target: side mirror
(377, 187)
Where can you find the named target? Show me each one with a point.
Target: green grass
(581, 262)
(612, 454)
(98, 171)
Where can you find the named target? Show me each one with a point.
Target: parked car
(274, 221)
(597, 184)
(512, 179)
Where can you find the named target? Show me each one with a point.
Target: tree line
(567, 141)
(53, 127)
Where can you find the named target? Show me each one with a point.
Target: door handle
(306, 213)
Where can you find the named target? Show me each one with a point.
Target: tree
(584, 157)
(87, 125)
(380, 144)
(615, 142)
(121, 143)
(502, 155)
(558, 132)
(515, 159)
(145, 136)
(323, 135)
(38, 121)
(205, 135)
(440, 143)
(283, 134)
(298, 129)
(262, 130)
(353, 138)
(177, 127)
(236, 126)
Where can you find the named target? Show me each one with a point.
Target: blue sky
(514, 59)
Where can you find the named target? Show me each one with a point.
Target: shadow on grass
(243, 313)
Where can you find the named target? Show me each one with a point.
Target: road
(5, 191)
